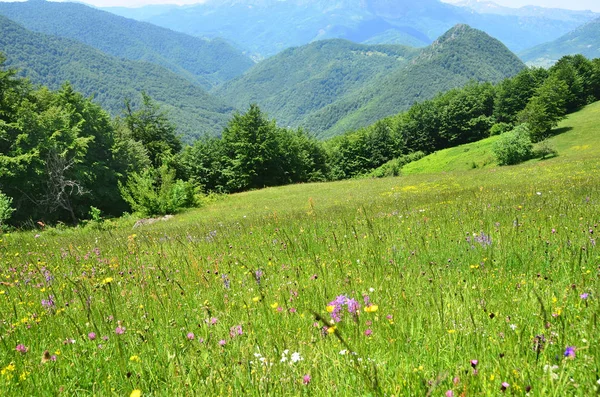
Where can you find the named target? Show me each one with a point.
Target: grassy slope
(577, 135)
(443, 299)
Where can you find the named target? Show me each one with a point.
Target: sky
(593, 5)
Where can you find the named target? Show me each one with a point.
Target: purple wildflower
(368, 332)
(258, 276)
(222, 342)
(306, 379)
(584, 296)
(91, 336)
(570, 352)
(48, 303)
(21, 348)
(190, 336)
(353, 306)
(120, 330)
(449, 393)
(504, 386)
(474, 363)
(226, 282)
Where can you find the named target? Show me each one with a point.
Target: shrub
(545, 150)
(514, 147)
(500, 128)
(156, 192)
(394, 167)
(5, 209)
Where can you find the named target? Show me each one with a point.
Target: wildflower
(584, 296)
(371, 308)
(107, 280)
(222, 342)
(513, 326)
(368, 332)
(570, 352)
(136, 393)
(306, 379)
(504, 386)
(292, 310)
(449, 393)
(330, 330)
(474, 363)
(274, 305)
(296, 357)
(258, 275)
(48, 303)
(135, 359)
(91, 336)
(120, 330)
(353, 306)
(190, 336)
(226, 282)
(21, 348)
(256, 299)
(235, 331)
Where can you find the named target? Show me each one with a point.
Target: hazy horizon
(593, 5)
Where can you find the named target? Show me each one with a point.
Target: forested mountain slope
(51, 60)
(206, 62)
(460, 55)
(584, 40)
(299, 81)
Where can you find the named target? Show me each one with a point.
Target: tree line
(63, 158)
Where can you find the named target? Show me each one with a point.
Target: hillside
(266, 27)
(579, 138)
(295, 83)
(205, 62)
(52, 60)
(462, 54)
(584, 40)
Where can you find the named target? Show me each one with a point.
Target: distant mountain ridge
(489, 7)
(266, 27)
(51, 61)
(205, 62)
(584, 40)
(333, 86)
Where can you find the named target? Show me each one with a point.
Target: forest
(65, 159)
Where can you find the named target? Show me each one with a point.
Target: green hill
(580, 139)
(299, 81)
(52, 60)
(584, 40)
(333, 86)
(460, 55)
(206, 62)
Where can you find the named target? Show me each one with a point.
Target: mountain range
(584, 40)
(266, 27)
(332, 86)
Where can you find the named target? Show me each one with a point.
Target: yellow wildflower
(136, 393)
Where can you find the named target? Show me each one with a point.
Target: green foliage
(157, 192)
(6, 210)
(394, 167)
(152, 128)
(546, 108)
(500, 128)
(514, 147)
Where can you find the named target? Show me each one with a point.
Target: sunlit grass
(490, 265)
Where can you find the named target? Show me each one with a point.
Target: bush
(545, 150)
(394, 167)
(514, 147)
(500, 128)
(5, 209)
(156, 192)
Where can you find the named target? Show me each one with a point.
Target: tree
(513, 147)
(151, 126)
(545, 109)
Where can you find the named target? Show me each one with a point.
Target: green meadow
(450, 280)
